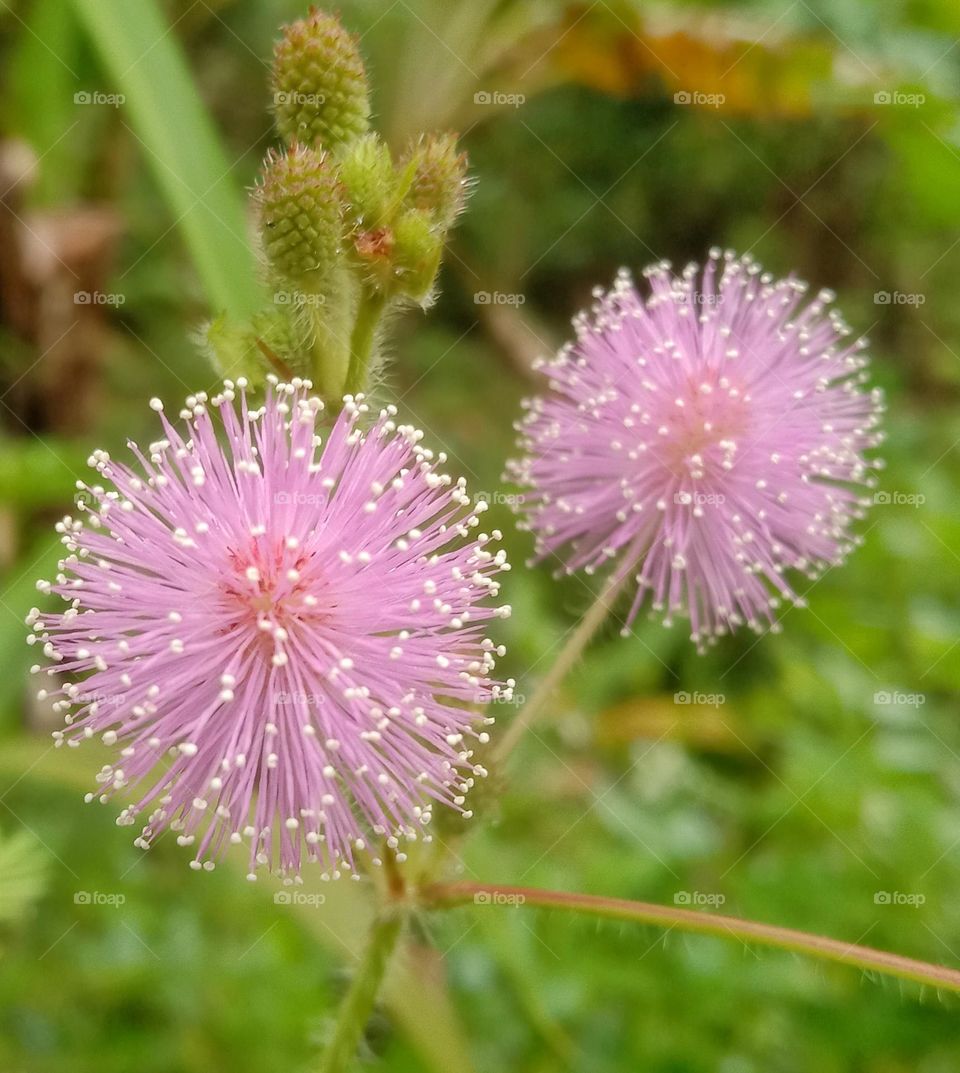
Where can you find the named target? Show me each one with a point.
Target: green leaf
(180, 144)
(18, 596)
(42, 109)
(40, 473)
(23, 874)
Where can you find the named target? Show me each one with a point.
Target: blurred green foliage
(802, 799)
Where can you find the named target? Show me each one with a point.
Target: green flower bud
(439, 183)
(370, 183)
(417, 248)
(320, 92)
(300, 216)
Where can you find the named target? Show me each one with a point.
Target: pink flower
(711, 436)
(284, 637)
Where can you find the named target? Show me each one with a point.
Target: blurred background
(810, 780)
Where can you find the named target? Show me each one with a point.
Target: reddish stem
(448, 895)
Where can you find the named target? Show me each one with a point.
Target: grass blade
(180, 144)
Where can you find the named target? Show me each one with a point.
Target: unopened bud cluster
(345, 229)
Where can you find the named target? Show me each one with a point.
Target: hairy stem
(362, 340)
(359, 1000)
(576, 642)
(447, 895)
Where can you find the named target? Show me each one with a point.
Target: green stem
(359, 1000)
(447, 895)
(571, 652)
(362, 339)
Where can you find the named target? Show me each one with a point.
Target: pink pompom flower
(710, 436)
(283, 634)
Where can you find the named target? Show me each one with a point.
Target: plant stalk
(362, 339)
(569, 655)
(448, 895)
(361, 997)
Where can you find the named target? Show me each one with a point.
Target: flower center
(264, 590)
(704, 429)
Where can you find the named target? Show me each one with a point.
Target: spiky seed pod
(439, 181)
(300, 215)
(320, 91)
(369, 180)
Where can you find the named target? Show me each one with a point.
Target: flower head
(711, 434)
(283, 636)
